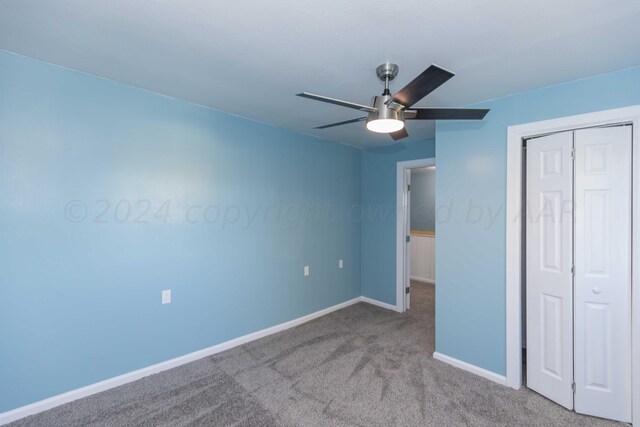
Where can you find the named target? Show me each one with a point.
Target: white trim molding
(484, 373)
(379, 303)
(401, 214)
(52, 402)
(515, 137)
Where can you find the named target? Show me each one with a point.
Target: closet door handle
(596, 290)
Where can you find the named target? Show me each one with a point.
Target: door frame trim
(515, 136)
(401, 214)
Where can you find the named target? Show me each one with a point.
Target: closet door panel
(603, 272)
(549, 248)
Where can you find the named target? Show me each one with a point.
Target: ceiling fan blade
(445, 114)
(421, 86)
(402, 133)
(346, 122)
(334, 101)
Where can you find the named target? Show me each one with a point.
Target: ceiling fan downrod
(387, 72)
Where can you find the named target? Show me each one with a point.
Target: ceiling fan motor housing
(383, 111)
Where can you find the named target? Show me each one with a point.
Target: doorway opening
(572, 258)
(415, 250)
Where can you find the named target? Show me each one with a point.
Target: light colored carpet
(360, 366)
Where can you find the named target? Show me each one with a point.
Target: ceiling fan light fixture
(384, 119)
(385, 125)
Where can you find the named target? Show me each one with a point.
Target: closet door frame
(514, 266)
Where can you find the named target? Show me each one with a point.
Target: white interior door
(407, 255)
(603, 272)
(549, 277)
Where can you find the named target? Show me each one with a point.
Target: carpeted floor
(360, 366)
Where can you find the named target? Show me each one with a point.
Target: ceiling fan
(387, 112)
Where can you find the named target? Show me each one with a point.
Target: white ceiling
(250, 57)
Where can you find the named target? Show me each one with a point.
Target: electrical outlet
(166, 296)
(340, 263)
(306, 270)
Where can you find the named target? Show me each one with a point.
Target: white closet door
(549, 248)
(603, 272)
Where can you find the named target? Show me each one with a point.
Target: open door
(407, 254)
(403, 229)
(549, 248)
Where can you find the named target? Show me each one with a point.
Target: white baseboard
(52, 402)
(496, 378)
(379, 303)
(422, 279)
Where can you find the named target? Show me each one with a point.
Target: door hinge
(408, 239)
(406, 290)
(408, 187)
(573, 153)
(573, 387)
(573, 270)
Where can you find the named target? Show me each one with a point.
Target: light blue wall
(423, 200)
(470, 255)
(378, 223)
(80, 302)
